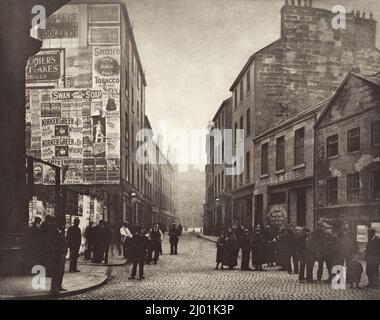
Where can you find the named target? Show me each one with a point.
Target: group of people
(297, 250)
(48, 245)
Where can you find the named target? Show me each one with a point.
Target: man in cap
(373, 259)
(139, 247)
(74, 239)
(173, 239)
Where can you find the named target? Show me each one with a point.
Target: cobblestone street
(190, 275)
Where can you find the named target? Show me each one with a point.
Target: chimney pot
(363, 15)
(358, 13)
(371, 15)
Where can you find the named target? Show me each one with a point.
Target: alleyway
(190, 276)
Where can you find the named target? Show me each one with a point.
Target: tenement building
(85, 104)
(299, 70)
(284, 171)
(218, 211)
(347, 168)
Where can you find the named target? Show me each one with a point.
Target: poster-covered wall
(73, 96)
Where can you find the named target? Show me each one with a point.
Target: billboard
(79, 133)
(106, 13)
(106, 67)
(45, 68)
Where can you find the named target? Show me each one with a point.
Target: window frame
(329, 144)
(336, 191)
(299, 157)
(280, 153)
(353, 141)
(264, 158)
(353, 191)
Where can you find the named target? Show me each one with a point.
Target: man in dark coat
(328, 252)
(316, 240)
(373, 259)
(155, 237)
(292, 252)
(89, 236)
(231, 249)
(100, 242)
(269, 246)
(282, 249)
(54, 237)
(173, 239)
(180, 228)
(245, 244)
(346, 247)
(258, 254)
(74, 239)
(304, 252)
(34, 244)
(139, 247)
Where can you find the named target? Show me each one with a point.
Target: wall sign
(104, 13)
(44, 68)
(104, 35)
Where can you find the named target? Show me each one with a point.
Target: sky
(192, 50)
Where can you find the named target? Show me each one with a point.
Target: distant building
(347, 171)
(218, 211)
(190, 190)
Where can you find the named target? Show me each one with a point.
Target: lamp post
(133, 199)
(218, 205)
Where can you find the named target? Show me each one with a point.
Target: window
(126, 83)
(332, 190)
(277, 197)
(264, 159)
(299, 147)
(375, 187)
(249, 80)
(353, 186)
(280, 153)
(235, 97)
(126, 129)
(247, 166)
(241, 90)
(242, 122)
(375, 129)
(353, 140)
(133, 99)
(248, 120)
(138, 108)
(332, 146)
(126, 167)
(235, 129)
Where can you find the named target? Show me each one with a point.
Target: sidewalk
(113, 261)
(209, 238)
(90, 277)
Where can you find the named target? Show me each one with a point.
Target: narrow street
(190, 275)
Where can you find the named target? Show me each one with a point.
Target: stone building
(218, 211)
(190, 190)
(284, 171)
(299, 70)
(347, 174)
(85, 112)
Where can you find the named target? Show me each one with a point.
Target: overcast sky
(192, 50)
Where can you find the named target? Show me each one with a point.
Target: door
(258, 210)
(301, 207)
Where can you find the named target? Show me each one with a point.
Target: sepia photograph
(190, 155)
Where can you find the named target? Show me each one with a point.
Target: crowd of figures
(48, 245)
(298, 250)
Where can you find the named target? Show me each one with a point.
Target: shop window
(353, 140)
(332, 190)
(280, 153)
(332, 146)
(375, 130)
(264, 159)
(353, 186)
(375, 179)
(277, 197)
(299, 147)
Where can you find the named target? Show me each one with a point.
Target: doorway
(301, 207)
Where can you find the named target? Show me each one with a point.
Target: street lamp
(218, 205)
(133, 199)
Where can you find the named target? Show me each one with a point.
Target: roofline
(226, 101)
(299, 116)
(249, 62)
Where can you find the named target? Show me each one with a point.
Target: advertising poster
(79, 67)
(277, 215)
(99, 129)
(104, 13)
(111, 102)
(113, 166)
(48, 175)
(63, 24)
(101, 170)
(88, 170)
(106, 67)
(37, 172)
(44, 68)
(104, 35)
(72, 171)
(112, 148)
(361, 233)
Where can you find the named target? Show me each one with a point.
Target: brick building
(299, 70)
(347, 176)
(218, 213)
